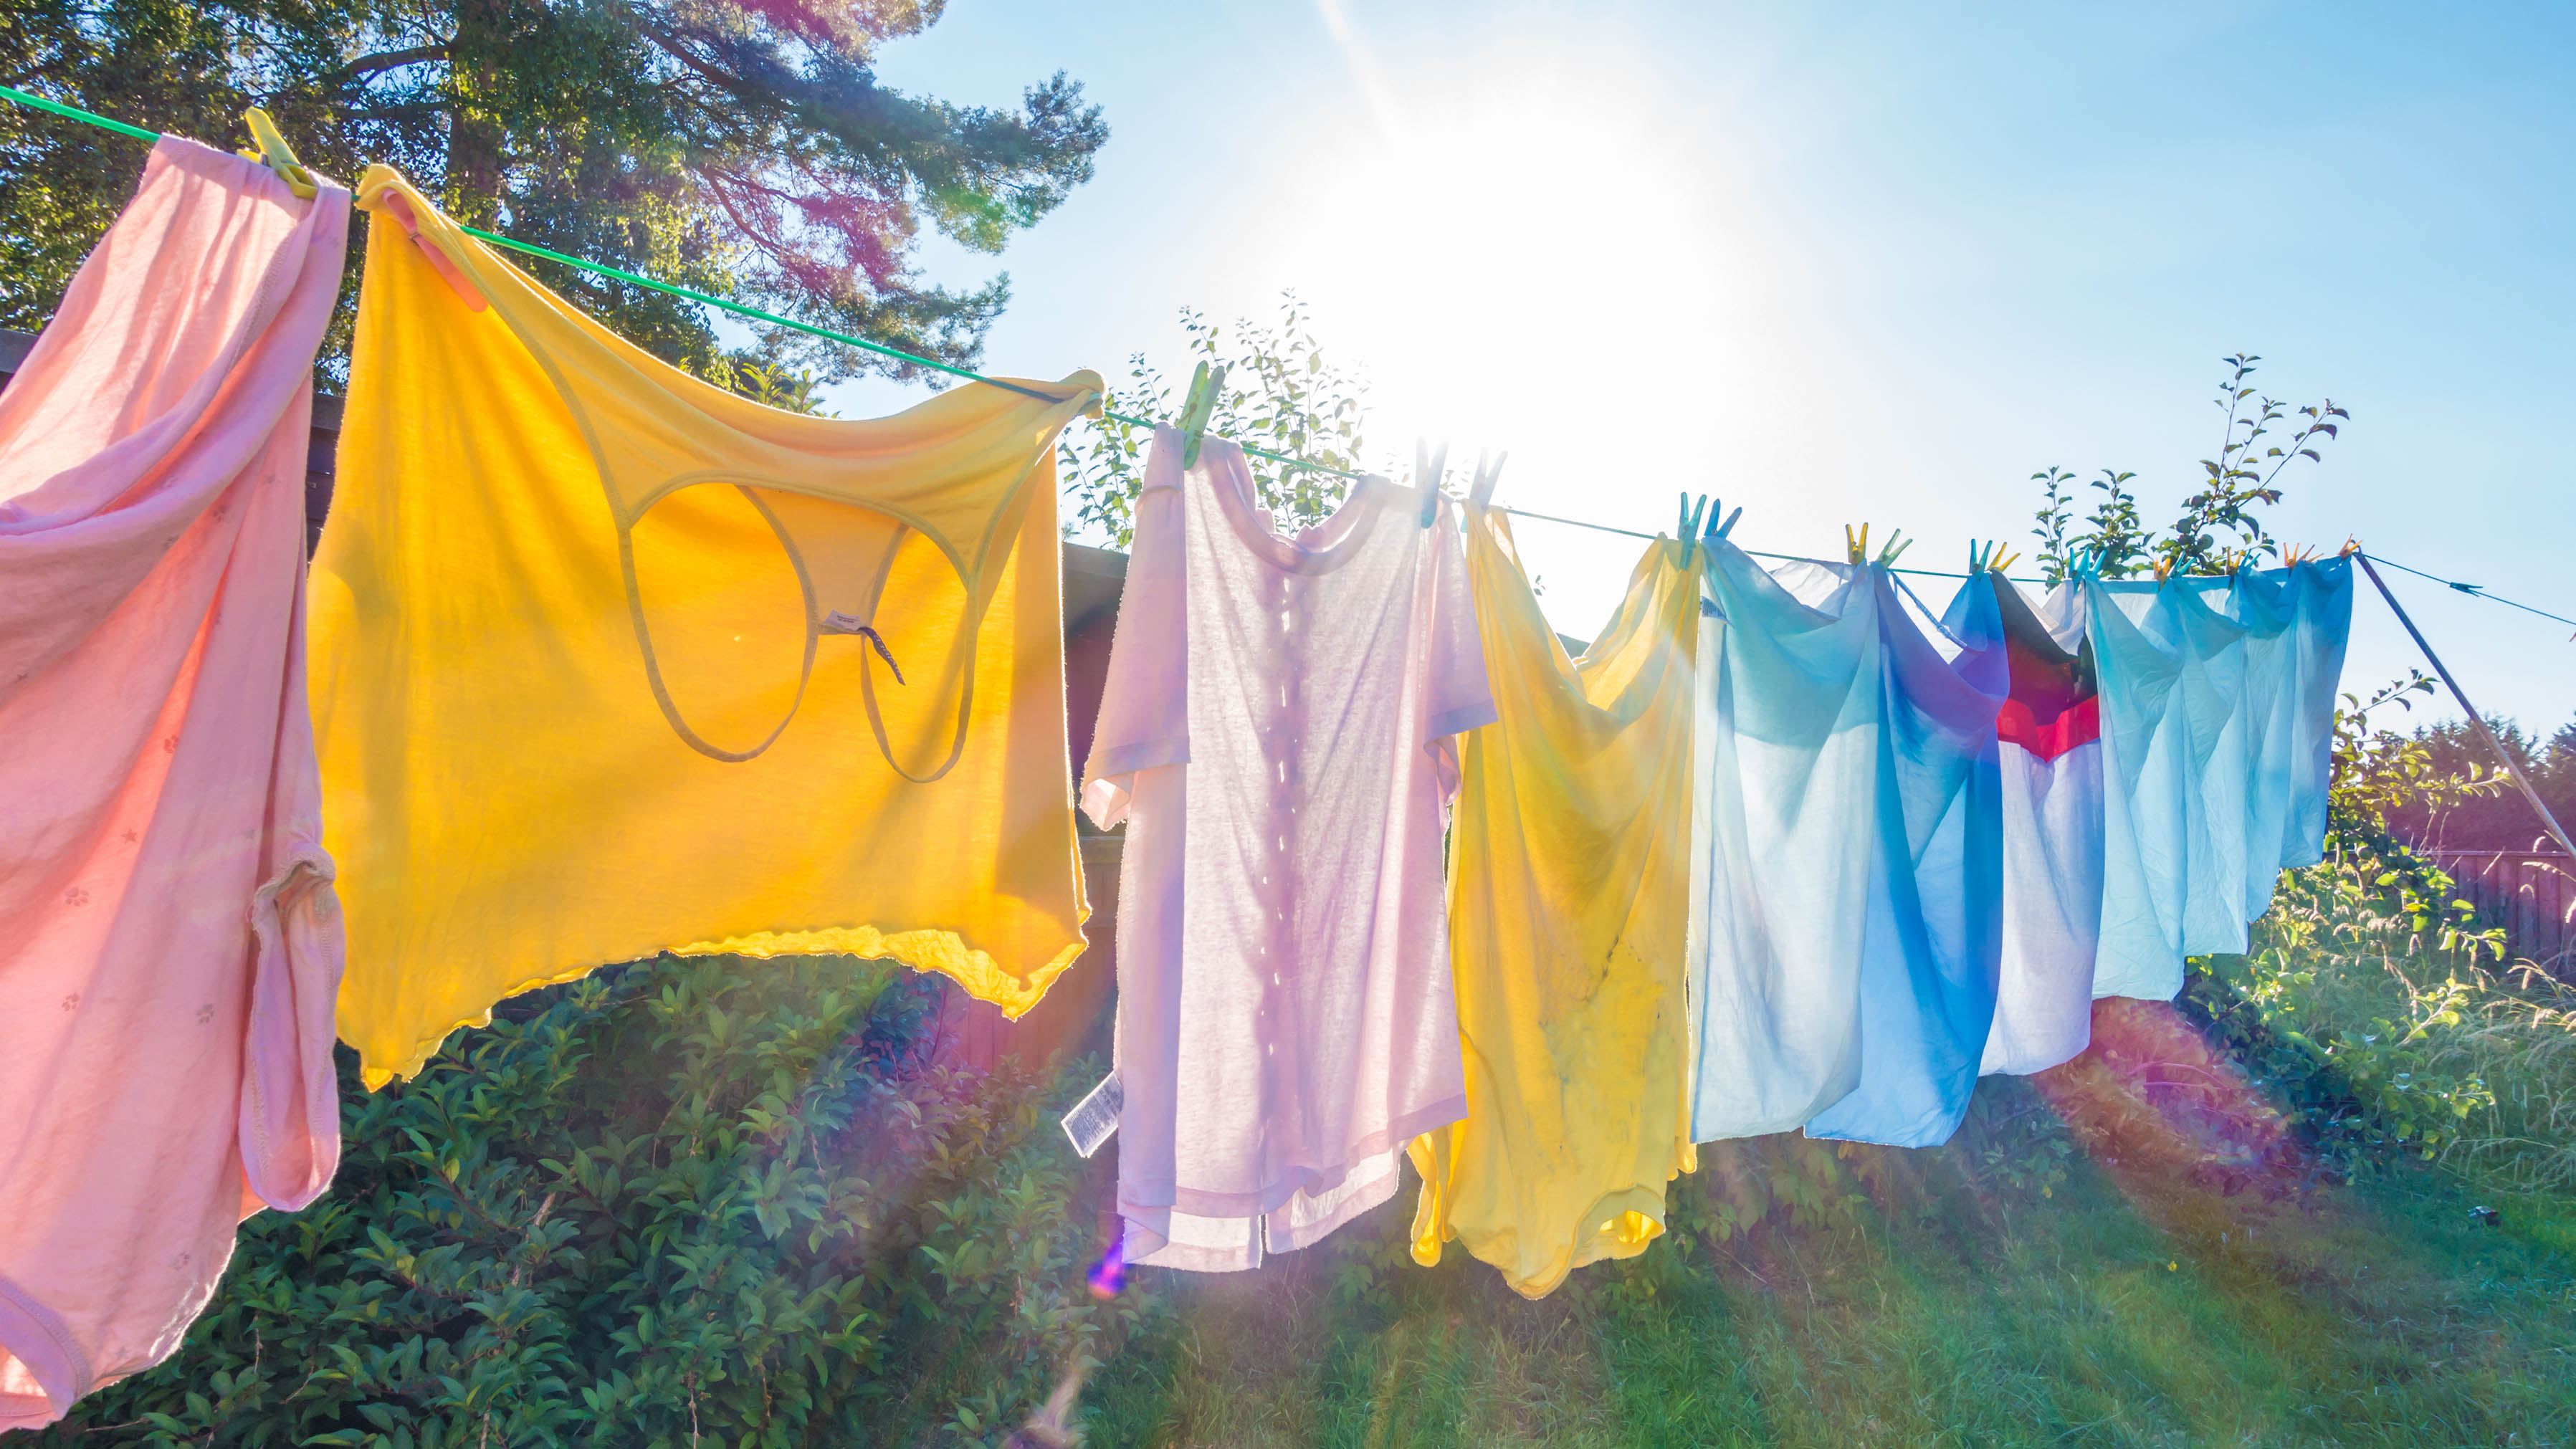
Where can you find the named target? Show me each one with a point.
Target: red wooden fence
(2532, 896)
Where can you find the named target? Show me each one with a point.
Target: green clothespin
(1206, 385)
(1429, 467)
(279, 156)
(1856, 548)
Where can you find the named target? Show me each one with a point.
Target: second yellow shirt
(1568, 907)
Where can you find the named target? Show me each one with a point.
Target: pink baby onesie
(169, 941)
(1275, 731)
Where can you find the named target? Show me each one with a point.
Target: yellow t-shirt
(1569, 899)
(587, 678)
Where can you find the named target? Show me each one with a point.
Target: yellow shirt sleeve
(587, 681)
(1568, 907)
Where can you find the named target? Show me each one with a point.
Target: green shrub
(706, 1201)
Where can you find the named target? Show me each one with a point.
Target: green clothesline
(26, 98)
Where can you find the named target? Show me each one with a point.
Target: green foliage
(771, 384)
(2496, 818)
(708, 1200)
(2361, 1072)
(1280, 396)
(2217, 529)
(740, 147)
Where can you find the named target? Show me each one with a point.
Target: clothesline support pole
(2476, 720)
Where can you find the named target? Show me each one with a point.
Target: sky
(1844, 263)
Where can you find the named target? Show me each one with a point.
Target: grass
(2074, 1270)
(2380, 1314)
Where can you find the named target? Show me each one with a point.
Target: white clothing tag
(1095, 1117)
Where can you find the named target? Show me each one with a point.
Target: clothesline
(1407, 802)
(740, 309)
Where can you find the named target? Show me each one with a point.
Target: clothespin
(1429, 468)
(1206, 385)
(279, 156)
(1988, 558)
(1481, 496)
(1856, 549)
(1716, 529)
(1688, 530)
(2351, 546)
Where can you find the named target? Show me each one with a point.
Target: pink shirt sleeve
(1144, 704)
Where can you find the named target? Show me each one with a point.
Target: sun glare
(1536, 254)
(1480, 247)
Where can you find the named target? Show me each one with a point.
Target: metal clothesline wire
(75, 113)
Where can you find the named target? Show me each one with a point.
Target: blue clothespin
(1429, 468)
(1716, 529)
(1688, 529)
(1205, 386)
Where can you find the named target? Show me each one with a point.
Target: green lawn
(2123, 1309)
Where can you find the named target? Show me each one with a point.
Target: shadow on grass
(2184, 1277)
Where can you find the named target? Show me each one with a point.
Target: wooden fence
(2532, 896)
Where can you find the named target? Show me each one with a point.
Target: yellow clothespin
(279, 156)
(1856, 547)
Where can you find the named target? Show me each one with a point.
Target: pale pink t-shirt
(1275, 731)
(169, 942)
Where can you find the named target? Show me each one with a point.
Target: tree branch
(367, 65)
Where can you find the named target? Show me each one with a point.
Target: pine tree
(740, 147)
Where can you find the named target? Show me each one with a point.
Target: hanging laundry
(169, 945)
(2297, 622)
(1569, 897)
(2050, 766)
(609, 662)
(2321, 629)
(1787, 707)
(1276, 735)
(2170, 674)
(2217, 718)
(1931, 955)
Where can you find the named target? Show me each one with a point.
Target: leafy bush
(690, 1201)
(1280, 396)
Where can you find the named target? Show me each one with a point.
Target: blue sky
(1845, 263)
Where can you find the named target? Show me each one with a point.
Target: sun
(1528, 252)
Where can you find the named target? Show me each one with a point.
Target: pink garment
(1275, 732)
(169, 941)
